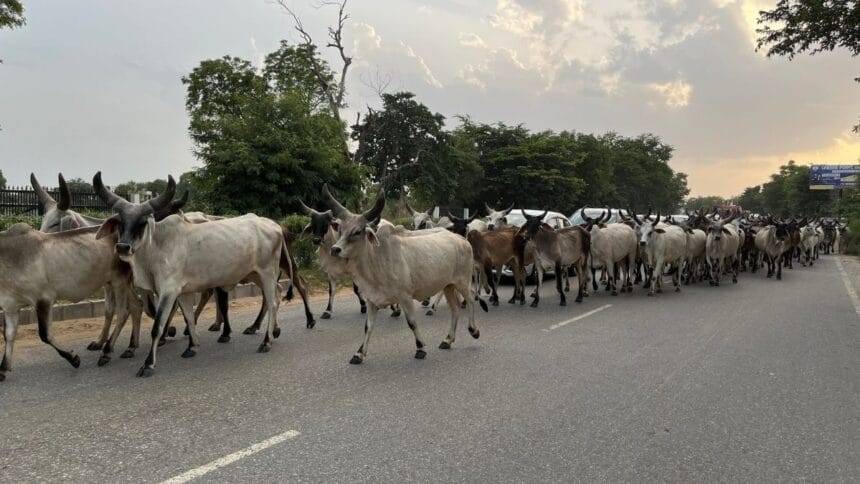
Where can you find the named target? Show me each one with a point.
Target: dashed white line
(581, 316)
(849, 286)
(229, 459)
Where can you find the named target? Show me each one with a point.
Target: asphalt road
(754, 381)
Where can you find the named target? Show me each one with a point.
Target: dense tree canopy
(706, 202)
(11, 14)
(265, 140)
(788, 194)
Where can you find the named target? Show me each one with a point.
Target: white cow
(665, 245)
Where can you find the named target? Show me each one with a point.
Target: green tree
(642, 175)
(79, 185)
(798, 26)
(751, 199)
(264, 141)
(706, 202)
(2, 180)
(787, 194)
(406, 148)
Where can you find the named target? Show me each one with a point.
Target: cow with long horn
(176, 258)
(612, 246)
(421, 219)
(721, 247)
(664, 246)
(392, 265)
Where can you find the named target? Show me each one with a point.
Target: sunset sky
(91, 85)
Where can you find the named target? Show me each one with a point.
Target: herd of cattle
(152, 257)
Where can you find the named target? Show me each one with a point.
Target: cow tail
(287, 259)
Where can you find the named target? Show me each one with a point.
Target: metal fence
(24, 201)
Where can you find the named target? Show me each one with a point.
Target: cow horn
(453, 217)
(376, 212)
(657, 220)
(44, 198)
(172, 207)
(111, 199)
(162, 201)
(65, 196)
(608, 215)
(508, 210)
(584, 215)
(409, 207)
(339, 210)
(635, 217)
(487, 207)
(306, 209)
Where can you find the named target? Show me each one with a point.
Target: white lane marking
(581, 316)
(849, 286)
(229, 459)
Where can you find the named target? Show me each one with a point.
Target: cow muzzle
(335, 251)
(641, 243)
(123, 249)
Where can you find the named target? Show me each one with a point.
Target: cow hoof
(534, 304)
(171, 332)
(562, 303)
(188, 353)
(429, 312)
(103, 360)
(717, 283)
(475, 333)
(264, 348)
(162, 342)
(444, 345)
(578, 300)
(420, 354)
(659, 291)
(356, 360)
(75, 361)
(363, 309)
(2, 377)
(494, 302)
(129, 353)
(250, 330)
(615, 293)
(276, 333)
(395, 313)
(650, 293)
(145, 372)
(778, 278)
(326, 315)
(185, 332)
(734, 280)
(223, 338)
(677, 289)
(215, 327)
(94, 346)
(311, 323)
(512, 301)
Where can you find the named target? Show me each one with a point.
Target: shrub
(7, 221)
(303, 249)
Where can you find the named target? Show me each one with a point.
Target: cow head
(132, 219)
(459, 225)
(717, 228)
(421, 220)
(54, 212)
(533, 224)
(591, 222)
(497, 219)
(648, 229)
(319, 224)
(355, 230)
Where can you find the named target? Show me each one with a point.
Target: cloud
(676, 94)
(471, 40)
(429, 77)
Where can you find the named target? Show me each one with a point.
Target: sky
(96, 84)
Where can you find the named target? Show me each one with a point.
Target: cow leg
(536, 294)
(167, 325)
(331, 285)
(223, 304)
(43, 316)
(360, 299)
(494, 298)
(186, 304)
(361, 354)
(269, 286)
(559, 285)
(166, 307)
(432, 309)
(108, 318)
(9, 333)
(779, 268)
(454, 303)
(735, 264)
(121, 295)
(657, 273)
(135, 309)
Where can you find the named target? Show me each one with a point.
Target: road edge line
(231, 458)
(573, 320)
(849, 286)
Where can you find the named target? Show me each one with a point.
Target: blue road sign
(833, 177)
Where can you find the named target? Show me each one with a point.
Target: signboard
(833, 177)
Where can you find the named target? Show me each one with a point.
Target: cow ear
(660, 231)
(108, 227)
(546, 226)
(335, 225)
(307, 229)
(726, 231)
(371, 236)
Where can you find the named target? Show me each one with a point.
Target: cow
(724, 241)
(497, 219)
(696, 244)
(421, 220)
(392, 265)
(39, 268)
(829, 228)
(612, 245)
(808, 244)
(562, 247)
(176, 256)
(58, 217)
(664, 246)
(772, 242)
